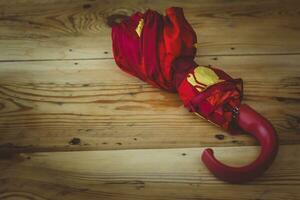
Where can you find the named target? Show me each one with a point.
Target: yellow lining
(139, 28)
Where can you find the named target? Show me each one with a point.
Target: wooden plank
(45, 105)
(144, 174)
(43, 30)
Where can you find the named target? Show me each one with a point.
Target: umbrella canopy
(160, 50)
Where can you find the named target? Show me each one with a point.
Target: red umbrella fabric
(160, 50)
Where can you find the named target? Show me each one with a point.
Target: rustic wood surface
(73, 126)
(143, 174)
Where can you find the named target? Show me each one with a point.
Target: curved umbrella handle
(258, 126)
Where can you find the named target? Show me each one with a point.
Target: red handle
(258, 126)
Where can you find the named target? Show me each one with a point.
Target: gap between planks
(110, 58)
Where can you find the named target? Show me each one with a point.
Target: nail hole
(75, 141)
(86, 6)
(220, 136)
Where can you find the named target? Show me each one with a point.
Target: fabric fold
(162, 53)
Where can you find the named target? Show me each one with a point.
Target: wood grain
(60, 90)
(143, 174)
(79, 29)
(44, 105)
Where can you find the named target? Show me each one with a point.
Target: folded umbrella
(160, 50)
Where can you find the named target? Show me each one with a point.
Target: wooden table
(74, 126)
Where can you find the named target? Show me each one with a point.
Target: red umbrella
(160, 50)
